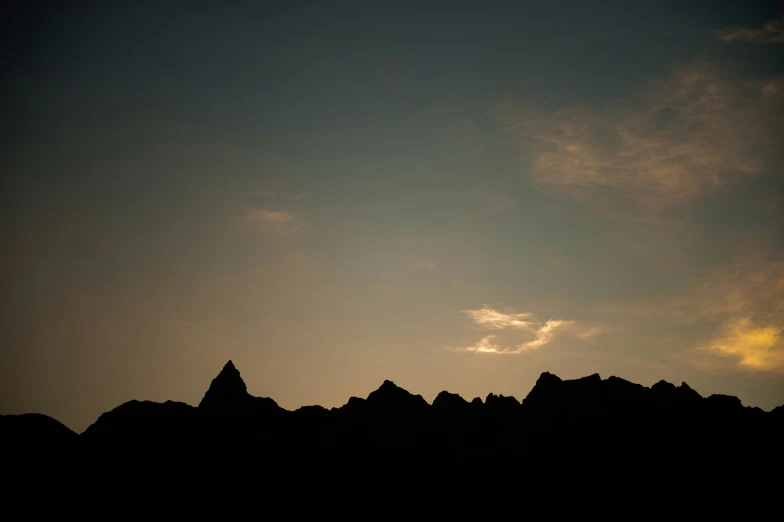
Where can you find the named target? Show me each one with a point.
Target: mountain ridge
(560, 429)
(228, 393)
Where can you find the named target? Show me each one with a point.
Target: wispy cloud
(770, 33)
(675, 141)
(543, 333)
(590, 332)
(484, 345)
(754, 346)
(280, 222)
(489, 318)
(741, 308)
(422, 264)
(749, 300)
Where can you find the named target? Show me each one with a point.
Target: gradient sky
(332, 194)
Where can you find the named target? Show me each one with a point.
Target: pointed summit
(547, 388)
(226, 389)
(389, 386)
(228, 392)
(664, 390)
(389, 391)
(685, 392)
(391, 398)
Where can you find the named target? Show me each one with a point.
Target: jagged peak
(390, 393)
(492, 398)
(446, 394)
(389, 385)
(226, 387)
(547, 377)
(686, 391)
(448, 401)
(389, 389)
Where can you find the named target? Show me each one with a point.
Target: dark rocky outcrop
(450, 405)
(390, 399)
(36, 430)
(232, 437)
(142, 421)
(228, 394)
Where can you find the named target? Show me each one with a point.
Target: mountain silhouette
(228, 393)
(392, 400)
(237, 446)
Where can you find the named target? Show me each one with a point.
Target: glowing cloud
(750, 298)
(494, 319)
(485, 345)
(544, 335)
(758, 348)
(770, 33)
(744, 303)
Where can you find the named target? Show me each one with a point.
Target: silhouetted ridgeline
(235, 445)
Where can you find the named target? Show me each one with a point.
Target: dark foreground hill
(607, 442)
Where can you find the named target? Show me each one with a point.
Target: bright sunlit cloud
(485, 345)
(489, 318)
(756, 347)
(749, 297)
(543, 333)
(741, 305)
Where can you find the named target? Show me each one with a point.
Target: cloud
(757, 347)
(424, 264)
(754, 286)
(676, 141)
(494, 319)
(491, 319)
(544, 334)
(770, 33)
(485, 345)
(279, 222)
(588, 333)
(739, 309)
(748, 300)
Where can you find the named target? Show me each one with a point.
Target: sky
(334, 194)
